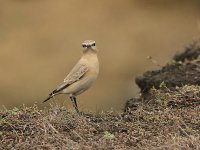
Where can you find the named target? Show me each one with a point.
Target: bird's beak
(88, 46)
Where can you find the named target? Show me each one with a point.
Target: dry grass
(156, 124)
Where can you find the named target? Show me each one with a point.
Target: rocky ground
(165, 116)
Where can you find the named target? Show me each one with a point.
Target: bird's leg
(73, 99)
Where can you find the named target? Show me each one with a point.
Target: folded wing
(76, 74)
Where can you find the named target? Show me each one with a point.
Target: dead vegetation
(156, 124)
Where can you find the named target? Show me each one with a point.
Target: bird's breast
(93, 64)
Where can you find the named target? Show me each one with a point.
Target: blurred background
(40, 41)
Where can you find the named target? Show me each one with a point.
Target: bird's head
(89, 45)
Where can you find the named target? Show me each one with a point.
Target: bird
(82, 76)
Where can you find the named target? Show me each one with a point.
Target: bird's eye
(93, 44)
(84, 45)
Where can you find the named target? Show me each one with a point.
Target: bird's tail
(50, 96)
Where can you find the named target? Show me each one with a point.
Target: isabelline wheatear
(81, 76)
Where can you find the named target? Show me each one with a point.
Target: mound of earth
(183, 70)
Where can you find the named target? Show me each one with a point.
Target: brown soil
(183, 70)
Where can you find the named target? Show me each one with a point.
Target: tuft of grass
(108, 135)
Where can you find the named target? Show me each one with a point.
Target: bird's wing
(76, 74)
